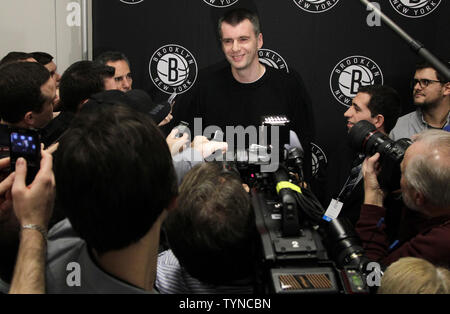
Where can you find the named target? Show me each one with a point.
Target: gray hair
(429, 173)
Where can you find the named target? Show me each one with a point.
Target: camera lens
(365, 138)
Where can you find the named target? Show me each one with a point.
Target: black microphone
(297, 155)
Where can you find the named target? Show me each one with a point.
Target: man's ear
(260, 40)
(378, 121)
(28, 118)
(419, 198)
(447, 89)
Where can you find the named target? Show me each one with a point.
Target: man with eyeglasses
(431, 94)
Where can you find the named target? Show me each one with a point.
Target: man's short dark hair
(111, 56)
(81, 80)
(20, 89)
(425, 64)
(15, 56)
(384, 100)
(115, 176)
(211, 231)
(42, 57)
(236, 16)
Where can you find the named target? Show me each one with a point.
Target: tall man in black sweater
(240, 94)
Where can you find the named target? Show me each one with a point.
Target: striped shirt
(171, 278)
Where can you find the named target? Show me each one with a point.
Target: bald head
(426, 167)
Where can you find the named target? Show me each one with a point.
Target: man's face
(359, 111)
(122, 76)
(240, 44)
(427, 96)
(42, 118)
(51, 67)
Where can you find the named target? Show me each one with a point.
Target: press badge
(333, 210)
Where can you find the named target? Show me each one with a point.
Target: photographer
(381, 106)
(424, 187)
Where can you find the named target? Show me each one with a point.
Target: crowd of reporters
(110, 182)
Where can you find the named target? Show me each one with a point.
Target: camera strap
(335, 207)
(353, 179)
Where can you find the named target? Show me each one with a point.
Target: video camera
(299, 251)
(365, 138)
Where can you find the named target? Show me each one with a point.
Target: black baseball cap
(136, 99)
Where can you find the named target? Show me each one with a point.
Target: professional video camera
(300, 252)
(365, 138)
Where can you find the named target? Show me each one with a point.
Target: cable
(310, 205)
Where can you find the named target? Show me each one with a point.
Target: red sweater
(432, 242)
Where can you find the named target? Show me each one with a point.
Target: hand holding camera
(373, 194)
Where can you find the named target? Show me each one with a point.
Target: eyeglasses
(423, 82)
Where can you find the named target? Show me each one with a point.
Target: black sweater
(222, 101)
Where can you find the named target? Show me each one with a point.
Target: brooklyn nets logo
(131, 1)
(272, 59)
(173, 69)
(315, 6)
(220, 3)
(414, 8)
(319, 160)
(352, 73)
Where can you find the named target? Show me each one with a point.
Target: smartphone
(27, 144)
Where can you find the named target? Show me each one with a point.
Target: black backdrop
(317, 42)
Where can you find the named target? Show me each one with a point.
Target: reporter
(210, 234)
(424, 186)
